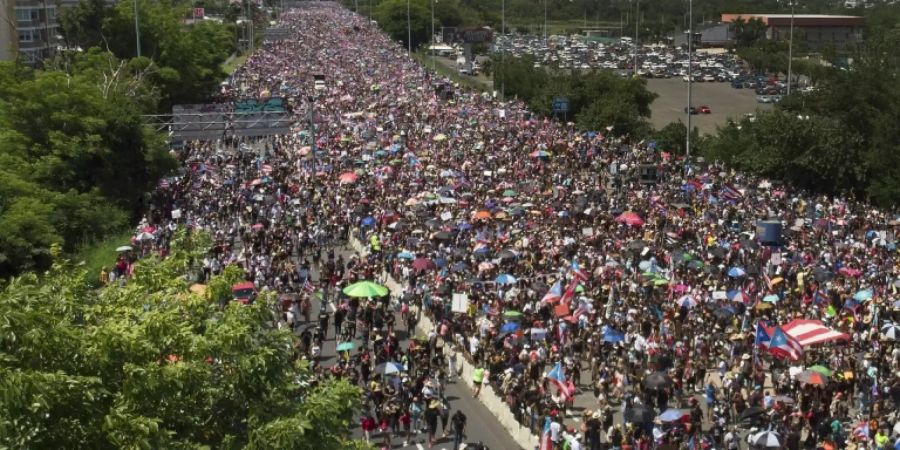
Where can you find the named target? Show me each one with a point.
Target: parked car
(764, 99)
(704, 109)
(244, 293)
(693, 110)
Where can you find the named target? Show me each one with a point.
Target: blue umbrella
(464, 226)
(482, 250)
(611, 335)
(406, 255)
(505, 279)
(736, 272)
(509, 327)
(863, 295)
(440, 262)
(368, 221)
(771, 298)
(459, 267)
(672, 415)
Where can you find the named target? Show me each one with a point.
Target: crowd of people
(638, 281)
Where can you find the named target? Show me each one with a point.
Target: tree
(152, 365)
(673, 138)
(391, 15)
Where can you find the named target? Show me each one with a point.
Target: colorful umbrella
(512, 314)
(345, 346)
(505, 279)
(812, 377)
(348, 177)
(820, 369)
(406, 255)
(631, 219)
(736, 272)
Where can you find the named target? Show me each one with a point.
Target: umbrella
(820, 369)
(423, 264)
(368, 221)
(672, 415)
(725, 312)
(657, 380)
(124, 248)
(509, 327)
(512, 314)
(812, 377)
(751, 412)
(389, 368)
(538, 334)
(639, 414)
(365, 289)
(345, 346)
(771, 298)
(144, 236)
(505, 279)
(631, 219)
(768, 439)
(507, 254)
(687, 301)
(406, 255)
(863, 295)
(539, 154)
(442, 236)
(736, 272)
(891, 331)
(348, 177)
(459, 267)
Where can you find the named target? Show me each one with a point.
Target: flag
(569, 294)
(784, 345)
(582, 310)
(861, 431)
(554, 294)
(577, 273)
(558, 377)
(729, 192)
(308, 286)
(763, 338)
(546, 443)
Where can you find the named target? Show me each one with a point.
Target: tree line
(77, 158)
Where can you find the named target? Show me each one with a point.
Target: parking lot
(723, 100)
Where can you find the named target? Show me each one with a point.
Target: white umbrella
(768, 439)
(124, 248)
(891, 331)
(144, 236)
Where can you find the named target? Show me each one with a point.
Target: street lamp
(690, 75)
(137, 30)
(790, 48)
(408, 30)
(637, 10)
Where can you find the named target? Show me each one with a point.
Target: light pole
(502, 51)
(690, 73)
(637, 10)
(790, 49)
(433, 63)
(545, 20)
(137, 30)
(408, 30)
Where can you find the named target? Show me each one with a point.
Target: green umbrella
(820, 369)
(509, 193)
(660, 282)
(365, 289)
(649, 275)
(512, 314)
(579, 289)
(687, 257)
(345, 346)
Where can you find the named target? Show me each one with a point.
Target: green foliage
(75, 157)
(747, 33)
(392, 16)
(672, 138)
(151, 365)
(597, 98)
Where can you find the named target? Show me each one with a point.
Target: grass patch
(452, 73)
(101, 253)
(232, 63)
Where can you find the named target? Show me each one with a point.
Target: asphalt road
(481, 425)
(723, 100)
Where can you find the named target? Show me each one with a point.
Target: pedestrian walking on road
(459, 428)
(477, 379)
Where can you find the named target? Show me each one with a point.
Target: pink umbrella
(257, 227)
(304, 150)
(680, 288)
(630, 218)
(847, 271)
(348, 177)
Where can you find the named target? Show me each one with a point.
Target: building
(812, 32)
(9, 41)
(37, 29)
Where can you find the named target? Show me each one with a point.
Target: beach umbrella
(345, 346)
(505, 279)
(639, 414)
(389, 368)
(657, 380)
(631, 219)
(509, 327)
(406, 255)
(365, 289)
(673, 415)
(768, 439)
(891, 331)
(812, 377)
(736, 272)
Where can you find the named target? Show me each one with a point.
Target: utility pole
(502, 51)
(690, 72)
(790, 48)
(637, 8)
(408, 30)
(433, 62)
(137, 30)
(545, 20)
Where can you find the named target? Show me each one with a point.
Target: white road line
(419, 446)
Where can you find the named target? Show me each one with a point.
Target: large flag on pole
(784, 345)
(763, 337)
(558, 377)
(554, 294)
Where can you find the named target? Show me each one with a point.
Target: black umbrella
(443, 236)
(507, 255)
(639, 414)
(657, 380)
(719, 252)
(637, 245)
(752, 412)
(433, 224)
(822, 275)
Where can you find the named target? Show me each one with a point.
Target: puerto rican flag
(569, 294)
(783, 345)
(554, 294)
(546, 443)
(558, 377)
(861, 431)
(729, 192)
(308, 286)
(577, 273)
(763, 336)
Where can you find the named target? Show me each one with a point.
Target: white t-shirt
(555, 429)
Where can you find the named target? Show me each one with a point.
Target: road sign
(199, 13)
(474, 35)
(560, 105)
